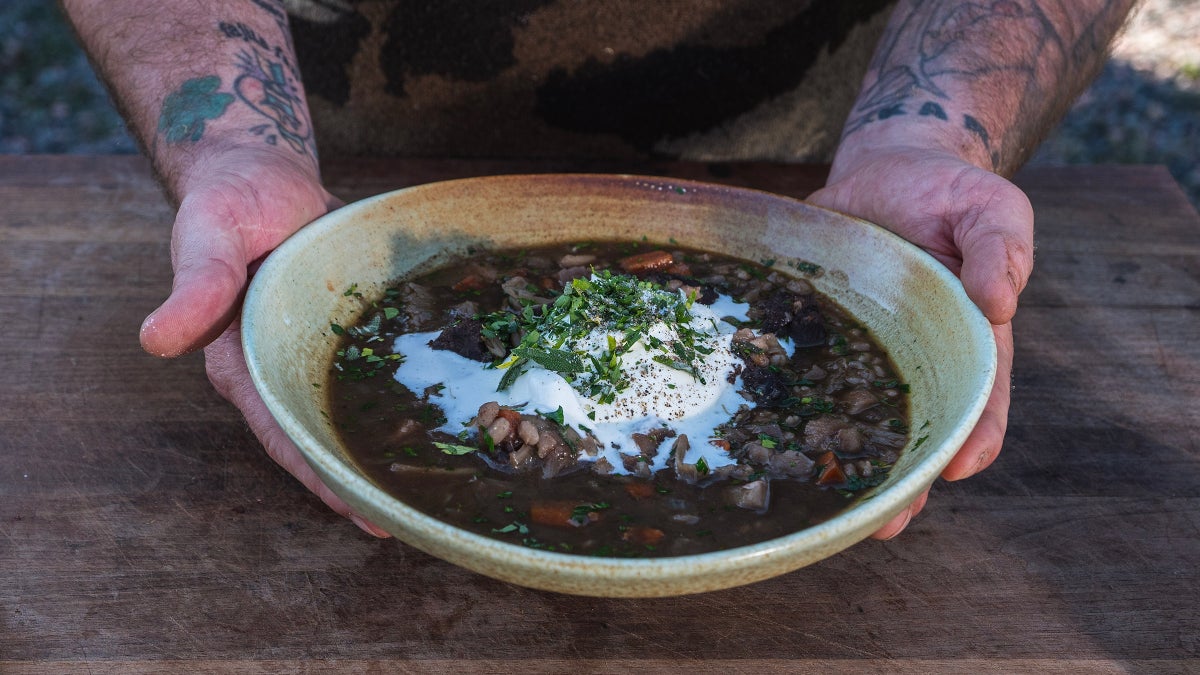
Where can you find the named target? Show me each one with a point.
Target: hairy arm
(211, 90)
(957, 97)
(195, 79)
(985, 79)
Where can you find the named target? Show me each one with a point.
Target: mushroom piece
(686, 472)
(753, 496)
(859, 400)
(791, 463)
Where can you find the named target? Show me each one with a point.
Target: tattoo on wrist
(274, 8)
(267, 82)
(267, 86)
(185, 111)
(941, 45)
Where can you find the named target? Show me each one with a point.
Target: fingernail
(908, 514)
(370, 529)
(982, 462)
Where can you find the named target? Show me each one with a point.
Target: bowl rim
(862, 518)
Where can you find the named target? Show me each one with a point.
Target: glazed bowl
(917, 309)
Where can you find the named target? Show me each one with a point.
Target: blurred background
(1143, 109)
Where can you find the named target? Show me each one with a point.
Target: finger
(226, 366)
(997, 253)
(210, 275)
(897, 524)
(983, 444)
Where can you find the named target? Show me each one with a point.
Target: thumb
(997, 253)
(210, 275)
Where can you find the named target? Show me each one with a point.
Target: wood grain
(143, 530)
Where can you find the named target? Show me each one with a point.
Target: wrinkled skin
(974, 222)
(245, 203)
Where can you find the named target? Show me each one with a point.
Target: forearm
(196, 78)
(985, 80)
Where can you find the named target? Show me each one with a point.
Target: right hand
(236, 207)
(974, 222)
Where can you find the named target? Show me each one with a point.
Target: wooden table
(143, 530)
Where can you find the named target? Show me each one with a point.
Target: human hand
(236, 207)
(974, 222)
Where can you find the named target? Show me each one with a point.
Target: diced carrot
(646, 262)
(553, 513)
(640, 534)
(549, 284)
(471, 282)
(831, 470)
(639, 489)
(513, 416)
(720, 443)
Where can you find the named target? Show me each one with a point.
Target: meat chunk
(560, 460)
(779, 462)
(765, 386)
(568, 274)
(794, 316)
(832, 433)
(464, 337)
(858, 401)
(418, 307)
(776, 312)
(636, 465)
(807, 327)
(791, 463)
(576, 260)
(647, 445)
(644, 263)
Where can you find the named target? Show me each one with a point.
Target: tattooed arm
(985, 79)
(193, 79)
(957, 97)
(211, 91)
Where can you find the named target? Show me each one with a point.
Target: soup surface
(617, 399)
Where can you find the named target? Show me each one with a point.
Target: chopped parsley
(453, 449)
(556, 336)
(556, 416)
(582, 514)
(514, 526)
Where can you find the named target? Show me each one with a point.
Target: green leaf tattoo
(185, 110)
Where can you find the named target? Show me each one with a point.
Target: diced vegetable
(830, 470)
(650, 261)
(553, 513)
(646, 536)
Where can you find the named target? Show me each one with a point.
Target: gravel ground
(1143, 109)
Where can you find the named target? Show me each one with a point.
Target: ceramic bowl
(940, 342)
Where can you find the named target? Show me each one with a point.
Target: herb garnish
(453, 449)
(514, 526)
(560, 336)
(581, 515)
(555, 416)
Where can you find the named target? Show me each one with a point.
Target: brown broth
(622, 515)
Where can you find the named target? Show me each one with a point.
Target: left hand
(974, 222)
